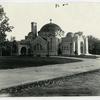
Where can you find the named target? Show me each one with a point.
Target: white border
(30, 1)
(49, 98)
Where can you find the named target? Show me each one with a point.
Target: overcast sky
(80, 16)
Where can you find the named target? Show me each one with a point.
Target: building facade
(49, 41)
(74, 44)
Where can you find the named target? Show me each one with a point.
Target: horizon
(74, 17)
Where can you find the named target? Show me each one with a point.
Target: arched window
(41, 47)
(35, 47)
(51, 44)
(29, 51)
(38, 47)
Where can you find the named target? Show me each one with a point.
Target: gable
(39, 40)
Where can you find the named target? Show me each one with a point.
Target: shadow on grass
(22, 62)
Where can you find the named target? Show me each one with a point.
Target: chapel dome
(50, 28)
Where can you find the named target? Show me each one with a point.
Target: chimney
(34, 28)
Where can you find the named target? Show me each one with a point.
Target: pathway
(13, 77)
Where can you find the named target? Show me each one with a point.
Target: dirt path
(13, 77)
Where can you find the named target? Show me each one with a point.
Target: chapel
(50, 40)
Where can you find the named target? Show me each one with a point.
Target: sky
(74, 17)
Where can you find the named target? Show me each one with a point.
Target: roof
(50, 28)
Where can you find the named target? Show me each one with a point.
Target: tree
(4, 27)
(94, 45)
(14, 47)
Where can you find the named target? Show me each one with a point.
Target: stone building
(74, 44)
(49, 41)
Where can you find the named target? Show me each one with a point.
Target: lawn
(75, 85)
(22, 62)
(83, 56)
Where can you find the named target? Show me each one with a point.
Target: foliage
(94, 45)
(4, 25)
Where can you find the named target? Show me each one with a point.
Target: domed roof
(78, 34)
(50, 27)
(69, 34)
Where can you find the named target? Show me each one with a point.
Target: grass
(84, 56)
(22, 62)
(74, 85)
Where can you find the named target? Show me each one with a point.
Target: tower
(34, 29)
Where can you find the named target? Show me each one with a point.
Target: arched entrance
(59, 51)
(76, 48)
(23, 51)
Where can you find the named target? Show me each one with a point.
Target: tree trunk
(0, 51)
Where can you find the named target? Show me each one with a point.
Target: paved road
(13, 77)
